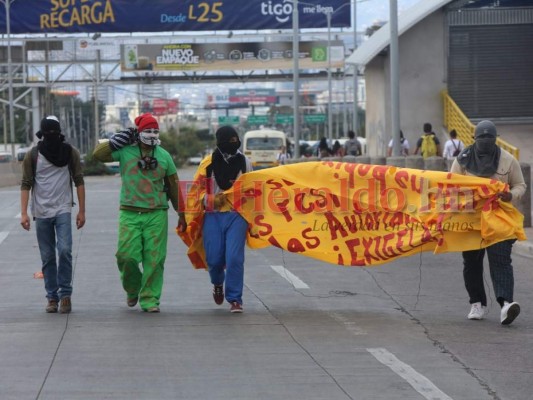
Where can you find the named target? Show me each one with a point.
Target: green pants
(142, 239)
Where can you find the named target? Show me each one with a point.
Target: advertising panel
(88, 16)
(267, 96)
(228, 56)
(164, 107)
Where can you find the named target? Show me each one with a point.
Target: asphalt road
(310, 330)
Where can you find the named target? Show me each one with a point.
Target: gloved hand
(123, 138)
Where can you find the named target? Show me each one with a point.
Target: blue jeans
(224, 236)
(57, 274)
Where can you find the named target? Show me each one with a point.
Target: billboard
(89, 16)
(266, 96)
(228, 56)
(164, 107)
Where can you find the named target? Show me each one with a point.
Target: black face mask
(229, 147)
(485, 145)
(53, 138)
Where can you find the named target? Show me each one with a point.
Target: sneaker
(218, 294)
(152, 310)
(235, 307)
(131, 302)
(51, 307)
(509, 312)
(477, 311)
(65, 306)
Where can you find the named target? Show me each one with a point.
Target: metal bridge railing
(454, 118)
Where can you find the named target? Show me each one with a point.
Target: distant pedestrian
(486, 159)
(149, 180)
(404, 146)
(428, 144)
(337, 150)
(323, 148)
(453, 146)
(283, 156)
(352, 147)
(48, 171)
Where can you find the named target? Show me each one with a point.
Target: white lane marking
(349, 325)
(418, 381)
(288, 275)
(3, 236)
(18, 216)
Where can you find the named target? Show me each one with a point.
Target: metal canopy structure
(46, 62)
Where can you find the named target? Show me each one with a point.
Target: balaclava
(51, 146)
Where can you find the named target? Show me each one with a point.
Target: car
(6, 157)
(195, 160)
(21, 152)
(113, 167)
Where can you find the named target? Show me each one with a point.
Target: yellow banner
(358, 214)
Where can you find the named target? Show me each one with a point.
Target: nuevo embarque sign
(87, 16)
(228, 56)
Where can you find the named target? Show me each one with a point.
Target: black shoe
(132, 302)
(218, 294)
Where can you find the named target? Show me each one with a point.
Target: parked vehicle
(195, 160)
(5, 157)
(262, 147)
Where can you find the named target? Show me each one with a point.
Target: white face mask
(150, 137)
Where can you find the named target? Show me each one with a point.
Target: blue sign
(87, 16)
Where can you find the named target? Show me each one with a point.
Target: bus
(262, 147)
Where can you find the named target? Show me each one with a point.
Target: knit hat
(146, 121)
(225, 133)
(485, 128)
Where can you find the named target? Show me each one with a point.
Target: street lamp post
(355, 70)
(296, 77)
(394, 78)
(96, 111)
(7, 4)
(330, 118)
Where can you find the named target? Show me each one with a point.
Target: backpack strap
(34, 153)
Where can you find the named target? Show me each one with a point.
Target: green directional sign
(258, 119)
(314, 118)
(284, 119)
(231, 120)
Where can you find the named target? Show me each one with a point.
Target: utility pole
(96, 113)
(7, 4)
(394, 79)
(296, 77)
(330, 113)
(355, 71)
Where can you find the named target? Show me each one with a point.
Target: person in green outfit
(149, 180)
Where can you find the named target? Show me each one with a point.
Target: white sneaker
(509, 312)
(477, 311)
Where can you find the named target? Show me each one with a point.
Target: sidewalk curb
(524, 249)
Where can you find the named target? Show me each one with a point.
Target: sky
(369, 11)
